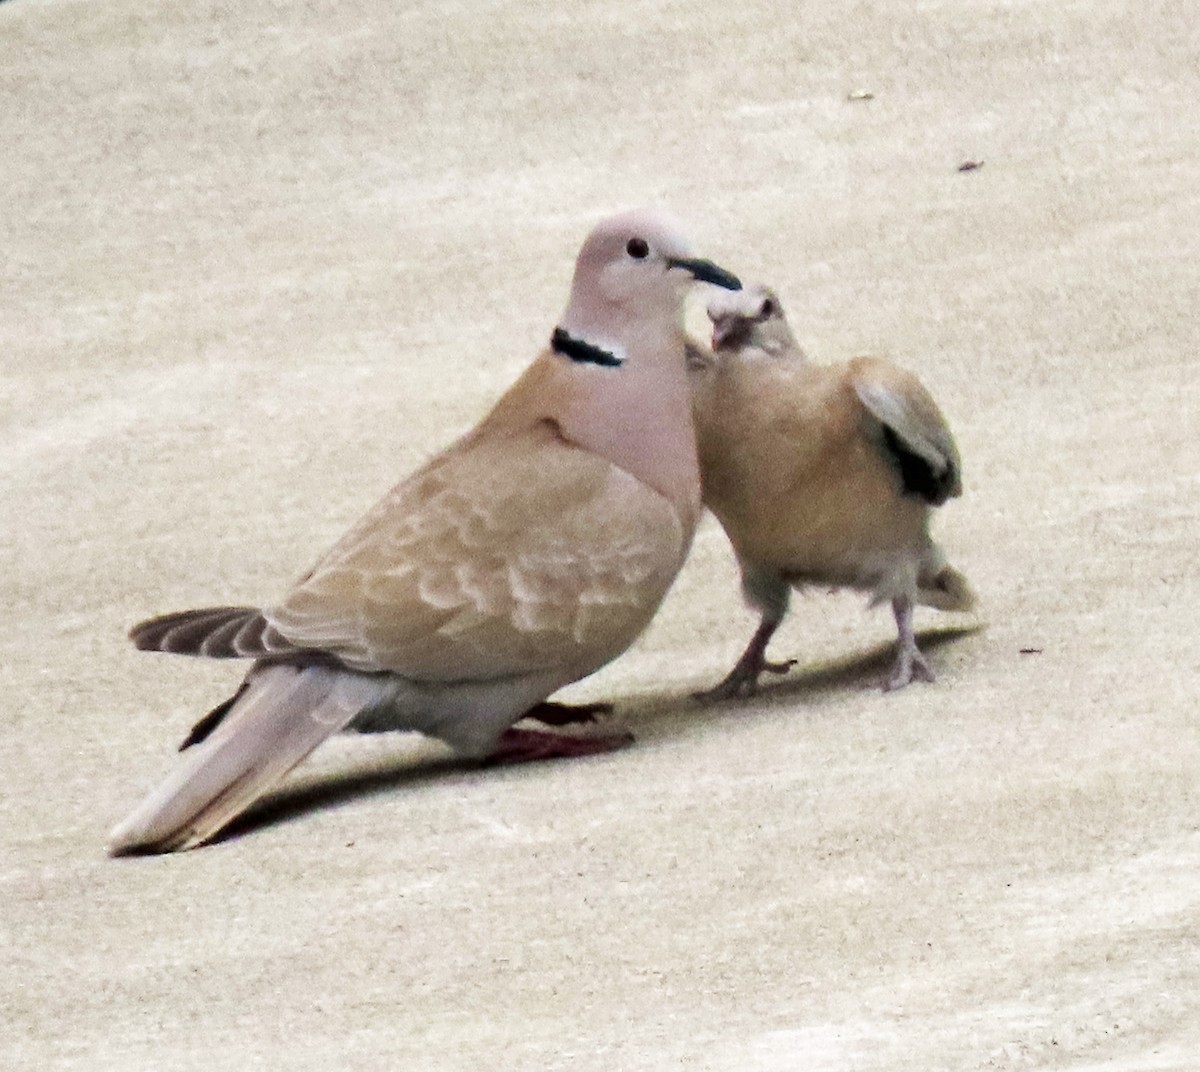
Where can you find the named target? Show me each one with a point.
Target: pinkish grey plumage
(522, 558)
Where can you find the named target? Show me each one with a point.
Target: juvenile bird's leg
(522, 746)
(910, 663)
(770, 594)
(560, 714)
(742, 680)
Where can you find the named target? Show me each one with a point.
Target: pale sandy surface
(259, 260)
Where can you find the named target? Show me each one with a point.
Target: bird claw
(524, 746)
(910, 666)
(551, 713)
(742, 680)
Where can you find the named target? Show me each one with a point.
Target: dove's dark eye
(637, 247)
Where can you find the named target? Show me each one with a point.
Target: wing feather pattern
(457, 576)
(214, 632)
(915, 433)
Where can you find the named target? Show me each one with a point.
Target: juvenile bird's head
(630, 279)
(751, 318)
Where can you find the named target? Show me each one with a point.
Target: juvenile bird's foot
(911, 666)
(742, 680)
(522, 746)
(561, 714)
(910, 663)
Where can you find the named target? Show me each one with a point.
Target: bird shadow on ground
(339, 787)
(662, 714)
(863, 672)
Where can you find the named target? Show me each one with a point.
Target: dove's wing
(915, 434)
(502, 557)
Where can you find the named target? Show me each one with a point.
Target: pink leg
(561, 714)
(910, 663)
(742, 680)
(522, 746)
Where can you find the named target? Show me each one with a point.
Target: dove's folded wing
(919, 438)
(505, 556)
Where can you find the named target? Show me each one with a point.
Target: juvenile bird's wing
(914, 432)
(504, 556)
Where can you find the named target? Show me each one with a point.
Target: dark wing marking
(914, 435)
(215, 632)
(919, 477)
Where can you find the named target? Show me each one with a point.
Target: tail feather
(217, 632)
(281, 715)
(947, 590)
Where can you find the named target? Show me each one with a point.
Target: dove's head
(751, 318)
(631, 276)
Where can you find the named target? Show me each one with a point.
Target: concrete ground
(260, 260)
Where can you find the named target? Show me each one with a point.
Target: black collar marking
(578, 350)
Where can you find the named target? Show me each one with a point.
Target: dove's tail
(946, 590)
(281, 714)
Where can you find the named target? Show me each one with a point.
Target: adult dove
(524, 557)
(820, 474)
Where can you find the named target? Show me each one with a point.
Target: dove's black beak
(706, 272)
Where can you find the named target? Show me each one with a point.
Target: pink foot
(561, 714)
(522, 746)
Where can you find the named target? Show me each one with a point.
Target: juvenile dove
(524, 557)
(820, 474)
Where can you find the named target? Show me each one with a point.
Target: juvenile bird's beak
(706, 272)
(729, 332)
